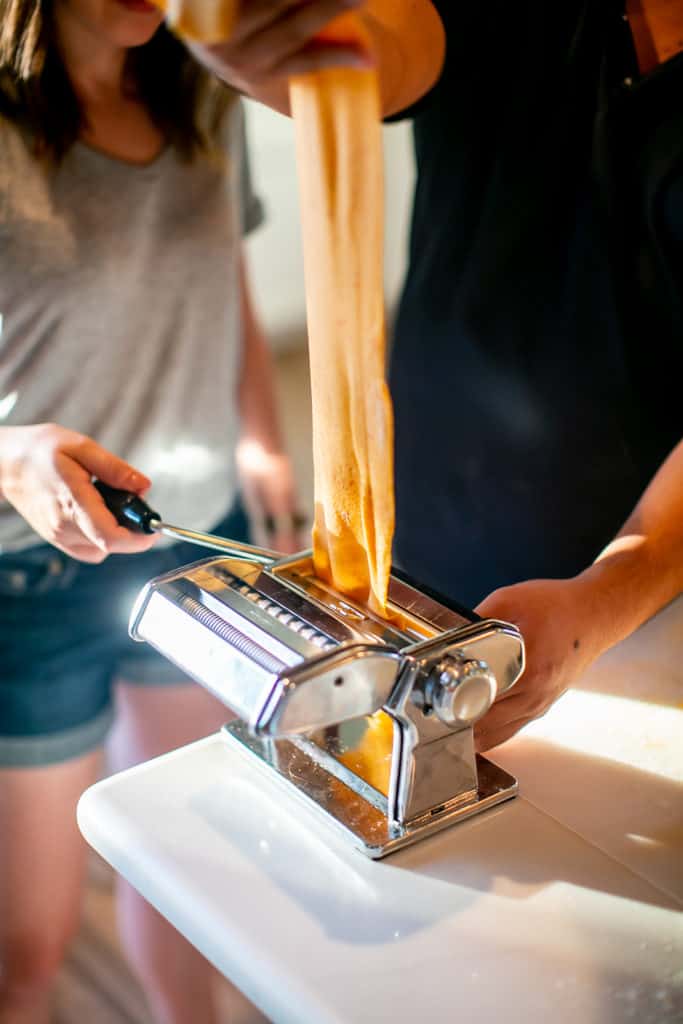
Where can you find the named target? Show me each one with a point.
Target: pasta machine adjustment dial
(460, 691)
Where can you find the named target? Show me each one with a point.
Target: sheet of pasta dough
(204, 21)
(340, 170)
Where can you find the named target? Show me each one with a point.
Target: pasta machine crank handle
(131, 511)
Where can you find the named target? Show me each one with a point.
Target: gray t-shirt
(120, 312)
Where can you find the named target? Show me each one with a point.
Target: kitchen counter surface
(563, 904)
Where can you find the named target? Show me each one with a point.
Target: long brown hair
(183, 99)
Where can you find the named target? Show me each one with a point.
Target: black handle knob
(128, 509)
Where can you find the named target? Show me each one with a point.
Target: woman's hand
(269, 492)
(562, 637)
(46, 473)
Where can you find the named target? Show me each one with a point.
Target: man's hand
(567, 624)
(273, 39)
(46, 473)
(559, 630)
(269, 492)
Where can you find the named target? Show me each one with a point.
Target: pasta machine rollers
(368, 719)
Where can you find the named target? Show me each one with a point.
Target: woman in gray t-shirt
(129, 352)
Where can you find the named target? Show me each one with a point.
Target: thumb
(505, 601)
(489, 606)
(108, 467)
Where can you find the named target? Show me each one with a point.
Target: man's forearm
(641, 570)
(409, 45)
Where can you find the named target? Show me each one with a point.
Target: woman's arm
(265, 470)
(276, 38)
(567, 624)
(46, 473)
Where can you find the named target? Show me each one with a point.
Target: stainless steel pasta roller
(368, 719)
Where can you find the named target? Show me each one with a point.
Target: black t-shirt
(537, 363)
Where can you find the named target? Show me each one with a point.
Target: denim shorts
(64, 640)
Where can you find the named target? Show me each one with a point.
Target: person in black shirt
(537, 366)
(538, 354)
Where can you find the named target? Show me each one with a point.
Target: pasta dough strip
(202, 21)
(340, 168)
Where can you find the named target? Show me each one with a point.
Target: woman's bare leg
(42, 869)
(178, 981)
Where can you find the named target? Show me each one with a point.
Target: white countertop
(562, 905)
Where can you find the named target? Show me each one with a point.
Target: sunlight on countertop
(631, 732)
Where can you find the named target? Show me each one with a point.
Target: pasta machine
(368, 719)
